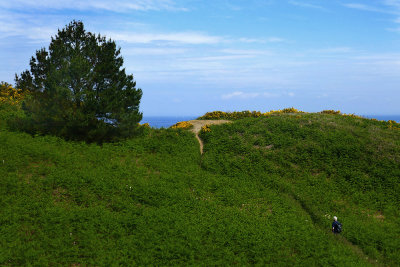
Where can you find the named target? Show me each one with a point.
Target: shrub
(205, 129)
(145, 125)
(244, 114)
(182, 125)
(393, 125)
(10, 104)
(330, 111)
(290, 110)
(10, 95)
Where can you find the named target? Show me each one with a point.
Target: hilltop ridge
(263, 192)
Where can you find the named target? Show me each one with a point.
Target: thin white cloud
(261, 40)
(325, 95)
(275, 40)
(183, 38)
(233, 7)
(239, 95)
(36, 30)
(24, 26)
(218, 58)
(246, 52)
(270, 95)
(334, 50)
(306, 5)
(108, 5)
(153, 51)
(388, 7)
(369, 8)
(379, 56)
(179, 37)
(39, 30)
(393, 3)
(244, 95)
(251, 40)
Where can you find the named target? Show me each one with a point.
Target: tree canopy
(79, 89)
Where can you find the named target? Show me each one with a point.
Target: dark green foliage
(79, 89)
(255, 197)
(9, 113)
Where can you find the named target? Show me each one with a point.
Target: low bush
(244, 114)
(182, 125)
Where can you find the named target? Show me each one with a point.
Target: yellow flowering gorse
(331, 111)
(394, 125)
(182, 125)
(215, 115)
(145, 125)
(10, 95)
(205, 129)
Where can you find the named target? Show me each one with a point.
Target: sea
(165, 121)
(168, 121)
(395, 118)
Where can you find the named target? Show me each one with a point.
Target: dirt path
(197, 124)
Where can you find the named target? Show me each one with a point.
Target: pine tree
(79, 89)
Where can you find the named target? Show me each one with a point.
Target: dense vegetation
(10, 103)
(216, 115)
(331, 164)
(237, 115)
(264, 192)
(79, 89)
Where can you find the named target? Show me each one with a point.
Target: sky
(194, 56)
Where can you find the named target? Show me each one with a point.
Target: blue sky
(193, 56)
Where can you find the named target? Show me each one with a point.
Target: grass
(331, 164)
(263, 193)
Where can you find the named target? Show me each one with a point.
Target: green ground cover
(264, 193)
(331, 164)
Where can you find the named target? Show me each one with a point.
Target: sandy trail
(197, 124)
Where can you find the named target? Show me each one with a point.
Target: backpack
(339, 227)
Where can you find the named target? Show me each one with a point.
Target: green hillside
(264, 192)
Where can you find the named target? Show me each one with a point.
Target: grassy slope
(332, 165)
(153, 199)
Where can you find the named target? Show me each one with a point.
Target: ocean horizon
(165, 121)
(395, 118)
(168, 121)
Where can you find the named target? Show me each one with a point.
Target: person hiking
(336, 226)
